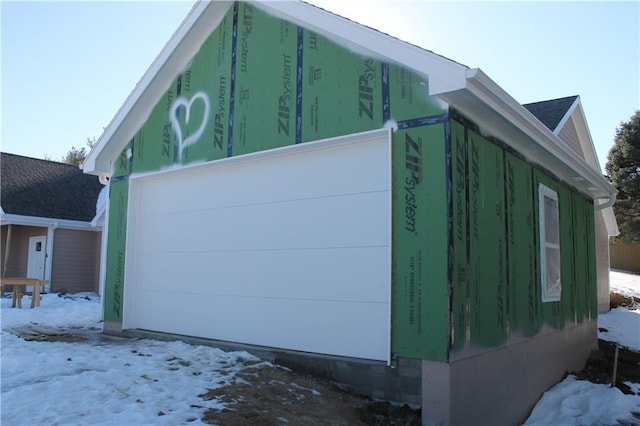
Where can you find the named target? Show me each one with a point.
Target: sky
(67, 67)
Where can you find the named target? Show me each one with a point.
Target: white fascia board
(499, 115)
(584, 136)
(45, 222)
(444, 74)
(183, 45)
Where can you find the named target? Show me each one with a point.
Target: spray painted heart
(175, 123)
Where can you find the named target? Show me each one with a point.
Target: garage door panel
(234, 273)
(318, 326)
(268, 180)
(327, 222)
(283, 250)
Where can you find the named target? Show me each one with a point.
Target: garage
(286, 248)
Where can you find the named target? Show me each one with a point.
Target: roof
(469, 91)
(551, 112)
(42, 188)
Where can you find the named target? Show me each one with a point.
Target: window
(549, 244)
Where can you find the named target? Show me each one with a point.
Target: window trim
(548, 293)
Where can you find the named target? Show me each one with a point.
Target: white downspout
(609, 203)
(49, 264)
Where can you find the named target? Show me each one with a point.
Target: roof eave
(499, 115)
(444, 74)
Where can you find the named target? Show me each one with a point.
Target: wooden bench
(24, 282)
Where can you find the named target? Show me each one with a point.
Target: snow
(580, 402)
(624, 283)
(104, 381)
(622, 326)
(113, 381)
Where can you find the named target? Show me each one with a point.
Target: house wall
(18, 255)
(76, 264)
(503, 337)
(501, 387)
(496, 297)
(314, 89)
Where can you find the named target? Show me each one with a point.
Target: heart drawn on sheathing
(175, 123)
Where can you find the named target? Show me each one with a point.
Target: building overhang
(500, 116)
(45, 222)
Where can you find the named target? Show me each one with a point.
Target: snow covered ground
(116, 381)
(580, 402)
(104, 381)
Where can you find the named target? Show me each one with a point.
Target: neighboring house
(290, 181)
(566, 119)
(47, 209)
(625, 256)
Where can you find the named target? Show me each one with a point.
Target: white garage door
(289, 248)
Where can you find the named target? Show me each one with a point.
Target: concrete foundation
(375, 379)
(501, 386)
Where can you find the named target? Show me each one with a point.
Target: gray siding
(76, 261)
(570, 136)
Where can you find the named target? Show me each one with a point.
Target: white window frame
(551, 292)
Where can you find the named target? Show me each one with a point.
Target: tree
(623, 170)
(76, 156)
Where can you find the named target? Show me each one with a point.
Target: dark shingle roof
(33, 187)
(551, 112)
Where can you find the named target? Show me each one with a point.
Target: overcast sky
(68, 66)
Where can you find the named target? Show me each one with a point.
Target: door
(37, 257)
(289, 248)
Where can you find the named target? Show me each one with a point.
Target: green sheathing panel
(266, 75)
(487, 245)
(521, 248)
(419, 263)
(409, 95)
(116, 245)
(154, 144)
(122, 164)
(592, 273)
(460, 296)
(342, 91)
(208, 76)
